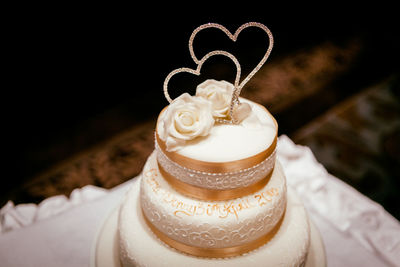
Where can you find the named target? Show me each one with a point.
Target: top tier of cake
(196, 151)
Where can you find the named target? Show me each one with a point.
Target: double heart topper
(237, 84)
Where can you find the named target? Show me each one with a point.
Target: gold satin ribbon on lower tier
(214, 252)
(212, 194)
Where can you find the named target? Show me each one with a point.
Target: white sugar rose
(186, 118)
(219, 93)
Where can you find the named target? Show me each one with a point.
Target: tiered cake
(212, 192)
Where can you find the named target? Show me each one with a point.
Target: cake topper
(237, 86)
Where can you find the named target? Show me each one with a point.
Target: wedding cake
(212, 192)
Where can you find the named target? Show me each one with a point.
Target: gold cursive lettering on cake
(266, 196)
(154, 185)
(220, 209)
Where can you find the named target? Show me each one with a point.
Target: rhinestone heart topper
(197, 70)
(234, 37)
(237, 86)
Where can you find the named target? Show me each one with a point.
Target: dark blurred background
(83, 86)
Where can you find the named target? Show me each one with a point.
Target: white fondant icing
(211, 223)
(138, 246)
(227, 142)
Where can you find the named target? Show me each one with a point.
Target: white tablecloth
(61, 231)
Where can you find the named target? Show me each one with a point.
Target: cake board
(105, 249)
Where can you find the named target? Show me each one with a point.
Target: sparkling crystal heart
(240, 112)
(198, 69)
(235, 105)
(234, 37)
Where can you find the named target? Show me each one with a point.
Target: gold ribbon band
(217, 167)
(212, 194)
(214, 252)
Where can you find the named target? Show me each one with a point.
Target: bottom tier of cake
(145, 249)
